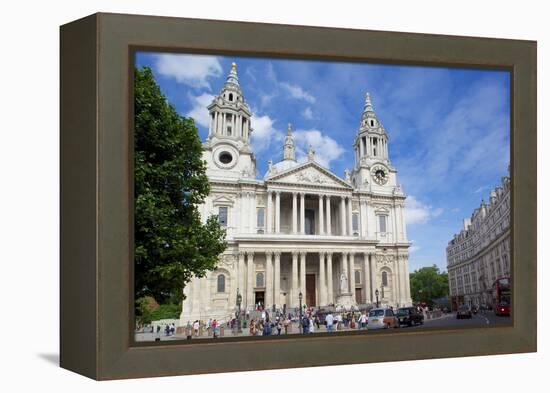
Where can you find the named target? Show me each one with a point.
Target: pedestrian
(329, 321)
(173, 329)
(196, 326)
(279, 326)
(252, 328)
(317, 321)
(188, 330)
(286, 323)
(305, 324)
(214, 326)
(267, 328)
(311, 325)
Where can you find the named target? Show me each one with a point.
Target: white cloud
(192, 70)
(307, 113)
(297, 92)
(326, 148)
(480, 189)
(417, 212)
(413, 249)
(264, 133)
(199, 111)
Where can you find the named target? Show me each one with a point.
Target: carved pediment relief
(311, 175)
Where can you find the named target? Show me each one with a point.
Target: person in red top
(215, 328)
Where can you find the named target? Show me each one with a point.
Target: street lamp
(377, 303)
(239, 301)
(300, 322)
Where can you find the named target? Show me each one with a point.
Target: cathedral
(301, 234)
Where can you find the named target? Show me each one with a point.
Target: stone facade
(301, 228)
(480, 253)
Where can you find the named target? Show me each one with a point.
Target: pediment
(311, 174)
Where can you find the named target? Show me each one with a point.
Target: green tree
(428, 283)
(171, 243)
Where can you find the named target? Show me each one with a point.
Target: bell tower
(372, 163)
(227, 149)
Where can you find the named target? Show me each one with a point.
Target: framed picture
(242, 196)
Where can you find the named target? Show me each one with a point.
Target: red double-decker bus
(502, 296)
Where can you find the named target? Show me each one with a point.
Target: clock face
(380, 174)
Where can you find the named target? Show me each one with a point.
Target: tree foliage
(428, 283)
(171, 243)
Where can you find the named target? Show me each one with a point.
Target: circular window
(225, 157)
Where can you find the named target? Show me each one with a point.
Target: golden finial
(233, 67)
(289, 130)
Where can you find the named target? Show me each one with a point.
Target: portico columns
(242, 272)
(294, 279)
(268, 279)
(352, 275)
(250, 280)
(329, 229)
(343, 225)
(269, 214)
(322, 280)
(294, 214)
(277, 211)
(321, 218)
(344, 270)
(330, 294)
(277, 274)
(366, 278)
(350, 217)
(303, 272)
(302, 213)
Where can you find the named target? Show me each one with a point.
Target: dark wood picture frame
(97, 198)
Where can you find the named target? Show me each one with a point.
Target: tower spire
(368, 103)
(233, 77)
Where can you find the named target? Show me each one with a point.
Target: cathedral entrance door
(259, 297)
(358, 296)
(310, 290)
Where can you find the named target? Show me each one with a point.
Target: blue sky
(449, 129)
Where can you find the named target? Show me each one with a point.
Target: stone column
(322, 280)
(330, 294)
(242, 273)
(374, 284)
(350, 217)
(303, 255)
(366, 278)
(352, 276)
(321, 218)
(344, 271)
(362, 219)
(302, 213)
(268, 279)
(277, 212)
(277, 278)
(407, 279)
(294, 279)
(269, 225)
(329, 224)
(343, 225)
(294, 214)
(250, 280)
(224, 124)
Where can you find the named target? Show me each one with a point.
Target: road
(478, 320)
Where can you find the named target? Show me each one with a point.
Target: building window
(221, 283)
(382, 221)
(355, 223)
(260, 217)
(222, 215)
(230, 96)
(259, 280)
(357, 277)
(229, 130)
(384, 279)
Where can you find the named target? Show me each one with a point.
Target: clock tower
(373, 169)
(227, 149)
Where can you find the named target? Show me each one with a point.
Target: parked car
(381, 318)
(409, 316)
(464, 311)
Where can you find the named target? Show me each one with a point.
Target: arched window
(385, 279)
(221, 283)
(357, 277)
(230, 96)
(259, 280)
